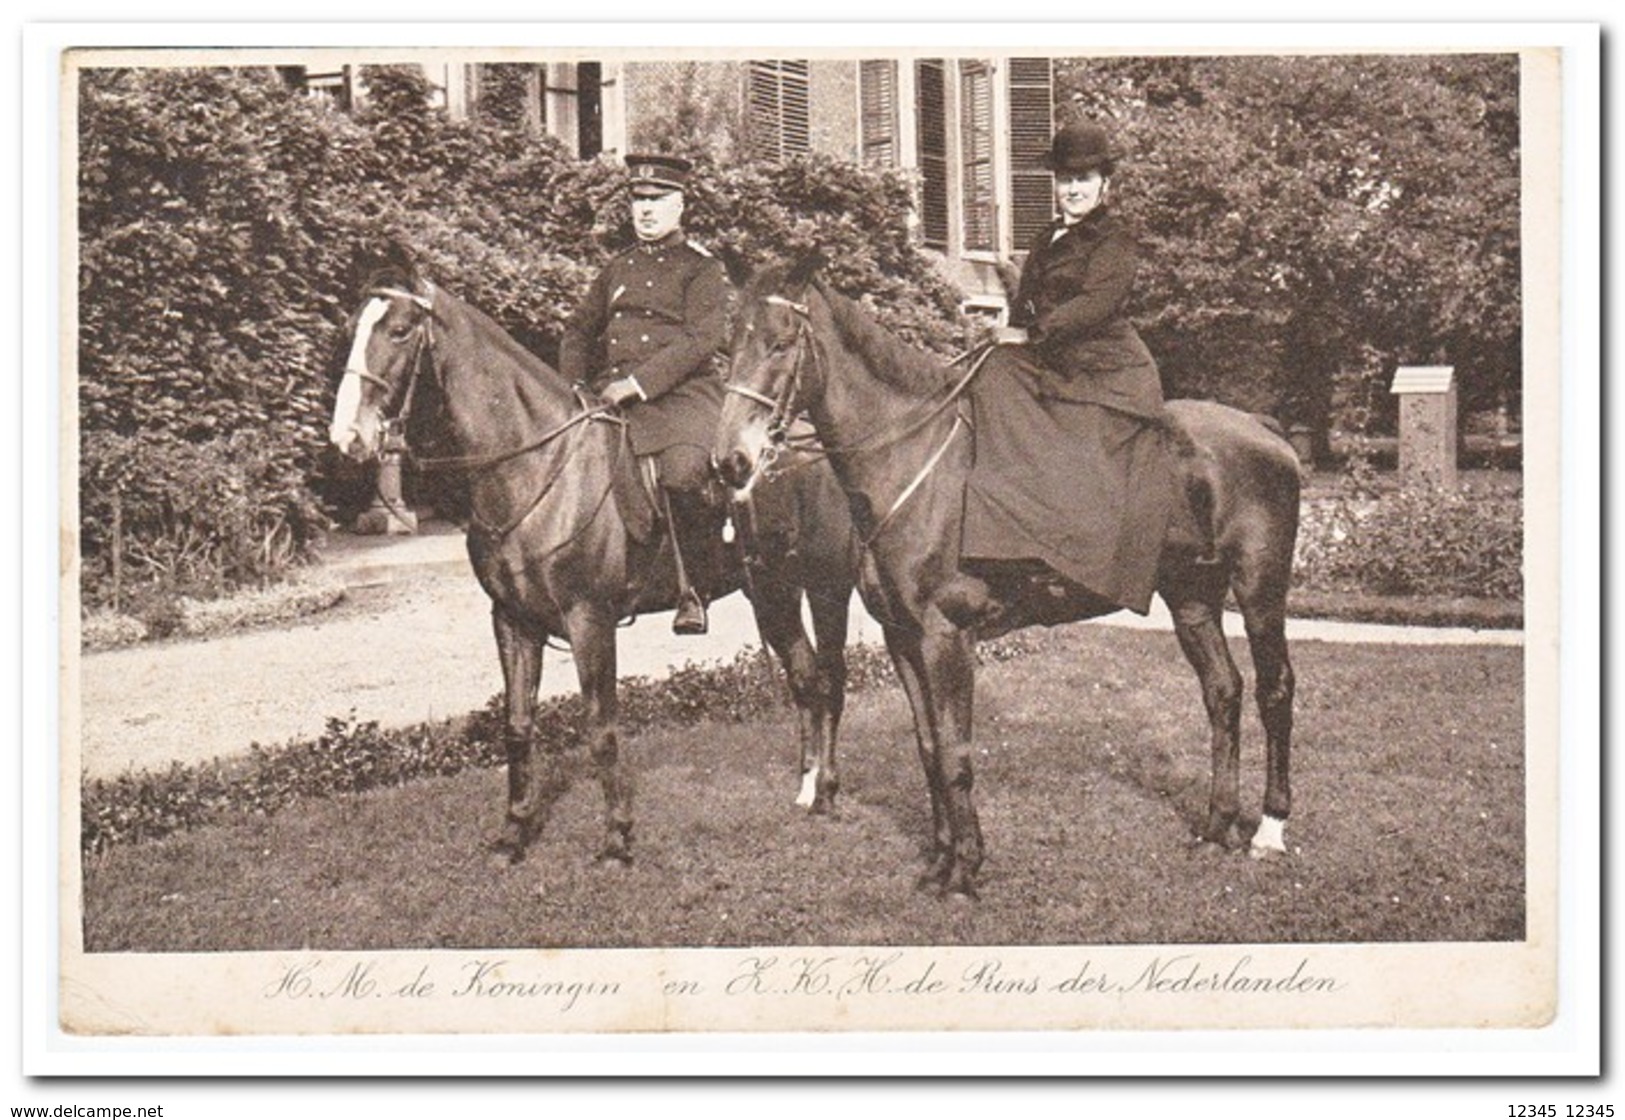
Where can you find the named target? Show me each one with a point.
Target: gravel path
(411, 643)
(413, 649)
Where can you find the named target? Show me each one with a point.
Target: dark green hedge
(228, 222)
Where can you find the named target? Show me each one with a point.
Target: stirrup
(690, 618)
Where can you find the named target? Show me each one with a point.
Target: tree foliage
(1311, 222)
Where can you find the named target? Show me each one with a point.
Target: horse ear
(802, 272)
(398, 255)
(734, 264)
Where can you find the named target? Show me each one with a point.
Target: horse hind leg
(1198, 614)
(1262, 597)
(592, 640)
(830, 616)
(777, 605)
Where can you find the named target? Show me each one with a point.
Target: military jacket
(1073, 287)
(656, 313)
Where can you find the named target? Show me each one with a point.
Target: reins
(423, 353)
(783, 405)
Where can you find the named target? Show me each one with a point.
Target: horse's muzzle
(735, 468)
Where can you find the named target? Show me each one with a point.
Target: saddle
(637, 496)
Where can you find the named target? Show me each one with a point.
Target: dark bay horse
(561, 533)
(889, 419)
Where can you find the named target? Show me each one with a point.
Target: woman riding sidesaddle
(1073, 472)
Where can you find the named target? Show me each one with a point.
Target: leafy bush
(1417, 540)
(189, 519)
(228, 223)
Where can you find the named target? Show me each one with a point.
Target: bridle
(783, 411)
(395, 439)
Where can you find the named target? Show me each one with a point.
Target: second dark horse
(887, 418)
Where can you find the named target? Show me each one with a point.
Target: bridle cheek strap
(782, 407)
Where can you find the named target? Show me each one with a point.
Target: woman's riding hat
(657, 174)
(1080, 149)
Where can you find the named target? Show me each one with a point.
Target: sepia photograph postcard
(1047, 537)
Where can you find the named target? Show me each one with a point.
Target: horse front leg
(1197, 623)
(950, 676)
(520, 648)
(909, 664)
(592, 641)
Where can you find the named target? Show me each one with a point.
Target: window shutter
(779, 102)
(933, 152)
(976, 152)
(1032, 114)
(877, 96)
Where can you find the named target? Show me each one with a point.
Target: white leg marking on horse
(809, 789)
(1270, 837)
(348, 405)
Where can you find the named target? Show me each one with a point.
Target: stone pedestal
(1427, 424)
(388, 513)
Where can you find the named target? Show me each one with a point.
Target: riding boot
(690, 521)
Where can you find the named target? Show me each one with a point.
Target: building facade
(971, 131)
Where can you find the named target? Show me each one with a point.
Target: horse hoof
(1270, 839)
(508, 847)
(1206, 848)
(504, 856)
(1264, 852)
(615, 857)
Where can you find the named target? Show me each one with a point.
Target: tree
(1311, 222)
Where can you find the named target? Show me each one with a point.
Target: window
(333, 88)
(877, 98)
(932, 123)
(777, 98)
(589, 109)
(976, 156)
(1032, 112)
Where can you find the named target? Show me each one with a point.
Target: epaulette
(698, 248)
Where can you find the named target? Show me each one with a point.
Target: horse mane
(892, 361)
(511, 348)
(492, 333)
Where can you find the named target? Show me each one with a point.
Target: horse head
(390, 335)
(772, 370)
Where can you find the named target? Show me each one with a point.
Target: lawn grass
(1092, 774)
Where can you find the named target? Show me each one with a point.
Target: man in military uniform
(643, 339)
